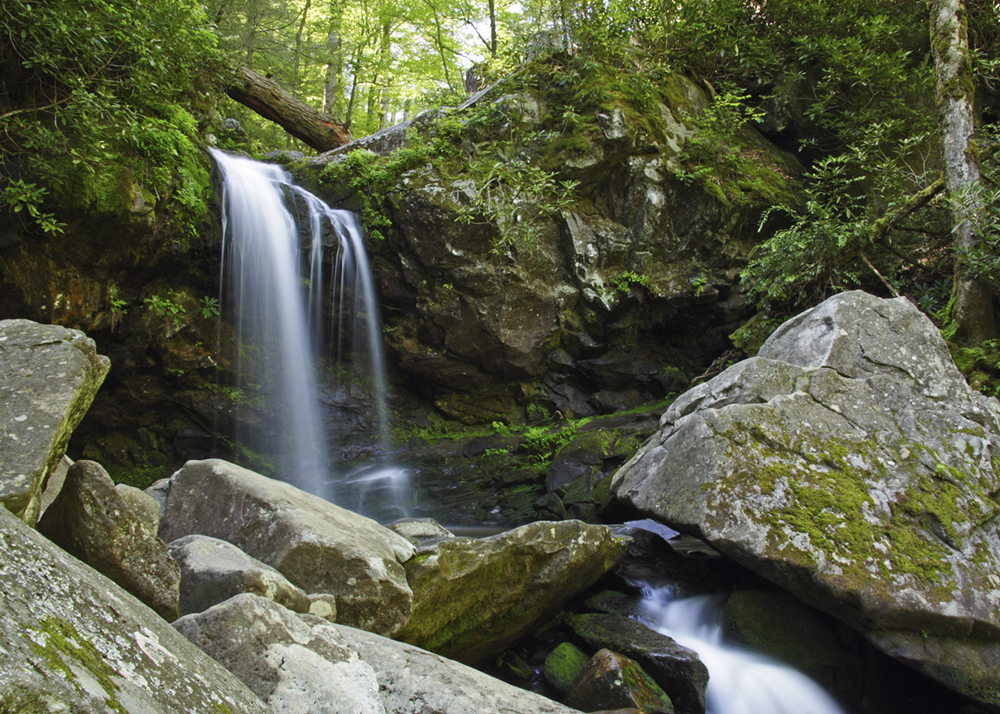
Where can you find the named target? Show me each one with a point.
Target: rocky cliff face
(506, 294)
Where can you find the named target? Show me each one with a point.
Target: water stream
(740, 682)
(291, 311)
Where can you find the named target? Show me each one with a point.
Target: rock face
(414, 681)
(213, 571)
(298, 665)
(574, 319)
(318, 546)
(48, 378)
(473, 598)
(851, 464)
(73, 641)
(91, 521)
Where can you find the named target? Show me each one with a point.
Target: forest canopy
(100, 96)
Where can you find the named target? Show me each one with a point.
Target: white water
(740, 682)
(281, 324)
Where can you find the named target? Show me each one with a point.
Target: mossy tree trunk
(972, 311)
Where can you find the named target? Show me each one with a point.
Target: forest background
(100, 98)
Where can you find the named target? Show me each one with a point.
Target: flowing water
(291, 311)
(740, 682)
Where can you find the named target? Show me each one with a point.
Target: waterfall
(288, 313)
(740, 682)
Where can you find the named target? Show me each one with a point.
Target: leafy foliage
(96, 95)
(815, 255)
(509, 195)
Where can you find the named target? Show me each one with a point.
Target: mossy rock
(777, 625)
(849, 463)
(564, 664)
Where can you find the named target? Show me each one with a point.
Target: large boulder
(851, 464)
(212, 571)
(318, 546)
(92, 521)
(298, 665)
(474, 598)
(48, 378)
(414, 681)
(73, 641)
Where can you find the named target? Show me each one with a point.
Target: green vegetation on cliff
(99, 102)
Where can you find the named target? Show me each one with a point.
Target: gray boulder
(91, 521)
(48, 378)
(213, 571)
(73, 641)
(297, 664)
(414, 681)
(142, 505)
(851, 464)
(474, 598)
(318, 546)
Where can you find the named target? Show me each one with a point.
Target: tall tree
(973, 300)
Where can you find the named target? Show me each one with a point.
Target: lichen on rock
(849, 463)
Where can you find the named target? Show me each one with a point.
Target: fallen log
(271, 101)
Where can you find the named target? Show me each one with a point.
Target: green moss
(980, 365)
(55, 639)
(564, 664)
(825, 487)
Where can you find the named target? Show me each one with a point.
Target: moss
(980, 365)
(54, 639)
(564, 664)
(825, 496)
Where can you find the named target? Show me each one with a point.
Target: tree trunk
(493, 28)
(972, 312)
(267, 98)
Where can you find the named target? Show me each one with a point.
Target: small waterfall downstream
(289, 314)
(740, 682)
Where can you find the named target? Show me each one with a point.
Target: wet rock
(615, 603)
(851, 464)
(775, 624)
(48, 378)
(473, 598)
(678, 670)
(91, 521)
(213, 571)
(297, 664)
(611, 681)
(318, 546)
(564, 664)
(75, 641)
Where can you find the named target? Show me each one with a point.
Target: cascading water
(280, 326)
(740, 682)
